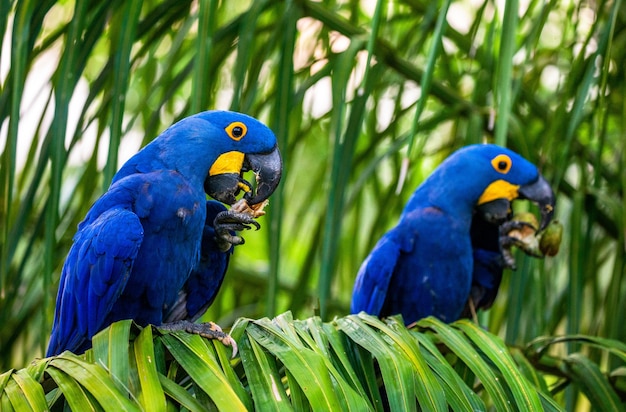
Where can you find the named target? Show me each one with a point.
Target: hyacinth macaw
(446, 245)
(152, 248)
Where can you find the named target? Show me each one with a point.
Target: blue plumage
(205, 280)
(427, 264)
(146, 249)
(488, 265)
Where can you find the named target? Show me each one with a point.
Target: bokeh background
(365, 97)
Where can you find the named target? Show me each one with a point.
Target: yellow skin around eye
(500, 189)
(231, 127)
(495, 162)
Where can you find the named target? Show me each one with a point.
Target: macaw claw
(519, 233)
(208, 330)
(228, 222)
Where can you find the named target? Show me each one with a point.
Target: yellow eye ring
(502, 163)
(236, 130)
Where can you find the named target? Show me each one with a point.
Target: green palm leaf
(287, 364)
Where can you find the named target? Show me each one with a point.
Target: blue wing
(206, 279)
(419, 268)
(372, 282)
(93, 277)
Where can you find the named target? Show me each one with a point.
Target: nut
(550, 238)
(255, 211)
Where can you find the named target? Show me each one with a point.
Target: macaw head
(248, 145)
(491, 177)
(219, 147)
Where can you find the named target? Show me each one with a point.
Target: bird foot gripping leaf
(241, 216)
(208, 330)
(522, 232)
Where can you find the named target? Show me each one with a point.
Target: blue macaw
(446, 247)
(152, 248)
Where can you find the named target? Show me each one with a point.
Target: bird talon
(225, 241)
(230, 217)
(207, 330)
(228, 222)
(510, 225)
(520, 232)
(508, 259)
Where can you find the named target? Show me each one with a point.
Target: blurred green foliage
(348, 87)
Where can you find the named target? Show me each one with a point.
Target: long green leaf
(263, 377)
(19, 55)
(354, 366)
(75, 395)
(5, 378)
(202, 82)
(527, 369)
(15, 395)
(95, 380)
(593, 383)
(543, 343)
(525, 394)
(458, 394)
(203, 368)
(395, 367)
(505, 70)
(151, 393)
(351, 398)
(31, 390)
(427, 76)
(428, 389)
(126, 24)
(225, 359)
(111, 349)
(179, 394)
(306, 366)
(281, 126)
(465, 351)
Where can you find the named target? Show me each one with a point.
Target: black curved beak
(541, 193)
(267, 167)
(499, 210)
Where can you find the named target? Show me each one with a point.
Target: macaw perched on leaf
(447, 246)
(152, 248)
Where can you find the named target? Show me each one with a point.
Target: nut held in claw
(254, 211)
(551, 238)
(526, 235)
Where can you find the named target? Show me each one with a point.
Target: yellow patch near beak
(500, 189)
(229, 162)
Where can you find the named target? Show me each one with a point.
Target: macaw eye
(236, 130)
(502, 163)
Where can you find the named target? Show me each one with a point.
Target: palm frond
(356, 362)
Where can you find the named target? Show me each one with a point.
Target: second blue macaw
(446, 246)
(152, 248)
